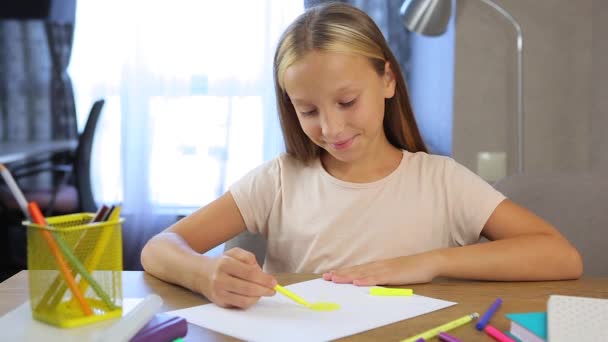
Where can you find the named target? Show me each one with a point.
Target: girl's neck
(371, 167)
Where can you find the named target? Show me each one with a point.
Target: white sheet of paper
(18, 325)
(279, 319)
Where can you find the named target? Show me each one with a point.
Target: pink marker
(497, 334)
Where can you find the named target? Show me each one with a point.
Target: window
(188, 89)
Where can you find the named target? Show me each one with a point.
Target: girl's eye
(349, 103)
(310, 112)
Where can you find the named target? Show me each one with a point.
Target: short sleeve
(255, 194)
(471, 201)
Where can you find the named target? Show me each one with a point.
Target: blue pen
(483, 321)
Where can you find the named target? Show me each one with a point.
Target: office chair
(73, 193)
(63, 198)
(82, 164)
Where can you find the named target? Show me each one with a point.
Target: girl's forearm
(531, 257)
(168, 257)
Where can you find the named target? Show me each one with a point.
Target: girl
(356, 197)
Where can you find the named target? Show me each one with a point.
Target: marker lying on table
(442, 328)
(387, 291)
(497, 334)
(445, 337)
(483, 321)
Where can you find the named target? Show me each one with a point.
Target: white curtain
(189, 99)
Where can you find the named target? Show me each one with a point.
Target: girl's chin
(343, 156)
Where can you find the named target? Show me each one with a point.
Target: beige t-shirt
(314, 222)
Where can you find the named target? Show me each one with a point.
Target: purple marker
(445, 337)
(483, 321)
(420, 340)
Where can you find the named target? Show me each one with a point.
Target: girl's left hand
(415, 269)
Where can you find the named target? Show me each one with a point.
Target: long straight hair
(338, 27)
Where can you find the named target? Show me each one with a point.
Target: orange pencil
(38, 218)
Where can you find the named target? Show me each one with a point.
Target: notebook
(528, 326)
(577, 319)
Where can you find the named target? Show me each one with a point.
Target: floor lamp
(431, 17)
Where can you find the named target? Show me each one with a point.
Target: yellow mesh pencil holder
(85, 286)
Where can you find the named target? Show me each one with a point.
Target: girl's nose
(332, 124)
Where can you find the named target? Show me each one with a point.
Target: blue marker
(483, 321)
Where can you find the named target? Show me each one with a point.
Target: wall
(431, 87)
(557, 86)
(599, 110)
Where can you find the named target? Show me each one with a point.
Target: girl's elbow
(146, 256)
(572, 264)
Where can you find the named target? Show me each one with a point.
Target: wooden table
(13, 152)
(471, 297)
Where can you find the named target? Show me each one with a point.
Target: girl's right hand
(236, 280)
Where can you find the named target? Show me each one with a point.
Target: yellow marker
(442, 328)
(95, 257)
(300, 300)
(386, 291)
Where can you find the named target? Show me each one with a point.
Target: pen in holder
(93, 251)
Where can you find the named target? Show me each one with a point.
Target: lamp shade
(426, 17)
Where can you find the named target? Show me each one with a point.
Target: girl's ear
(389, 81)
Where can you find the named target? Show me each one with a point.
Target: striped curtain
(63, 112)
(36, 101)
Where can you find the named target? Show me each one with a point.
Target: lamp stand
(520, 82)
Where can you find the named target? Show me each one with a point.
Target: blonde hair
(337, 27)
